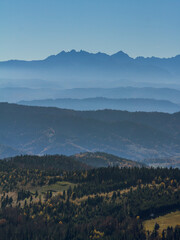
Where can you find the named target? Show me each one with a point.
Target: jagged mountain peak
(120, 53)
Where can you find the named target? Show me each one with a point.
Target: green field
(57, 187)
(171, 219)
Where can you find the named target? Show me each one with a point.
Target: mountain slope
(41, 130)
(6, 151)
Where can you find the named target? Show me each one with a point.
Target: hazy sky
(35, 29)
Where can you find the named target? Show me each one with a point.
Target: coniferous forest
(57, 197)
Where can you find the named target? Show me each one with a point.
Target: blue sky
(35, 29)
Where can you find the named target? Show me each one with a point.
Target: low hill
(100, 159)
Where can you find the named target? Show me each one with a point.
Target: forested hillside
(54, 162)
(41, 198)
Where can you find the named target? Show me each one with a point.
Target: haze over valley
(89, 82)
(137, 84)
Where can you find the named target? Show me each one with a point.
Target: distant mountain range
(15, 95)
(99, 103)
(84, 69)
(46, 130)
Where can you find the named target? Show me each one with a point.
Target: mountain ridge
(16, 94)
(83, 52)
(100, 103)
(47, 130)
(82, 68)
